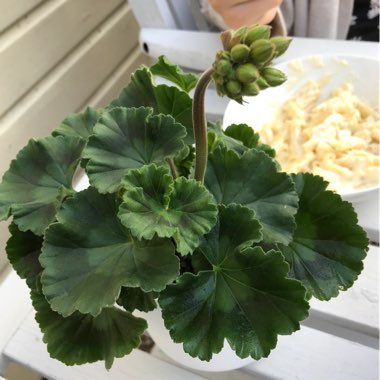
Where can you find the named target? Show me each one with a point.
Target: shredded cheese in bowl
(337, 138)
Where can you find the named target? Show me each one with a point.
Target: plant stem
(172, 168)
(199, 125)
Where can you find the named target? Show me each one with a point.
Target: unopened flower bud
(261, 51)
(273, 76)
(247, 73)
(251, 89)
(223, 67)
(226, 39)
(262, 83)
(281, 44)
(233, 87)
(239, 53)
(257, 32)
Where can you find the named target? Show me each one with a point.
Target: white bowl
(362, 72)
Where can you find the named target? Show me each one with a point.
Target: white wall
(57, 56)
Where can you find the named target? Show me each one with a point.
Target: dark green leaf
(142, 91)
(245, 298)
(328, 248)
(168, 70)
(243, 133)
(127, 138)
(217, 138)
(252, 180)
(38, 180)
(88, 256)
(78, 124)
(249, 138)
(184, 161)
(134, 298)
(23, 250)
(80, 338)
(154, 203)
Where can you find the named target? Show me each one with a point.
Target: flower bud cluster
(242, 68)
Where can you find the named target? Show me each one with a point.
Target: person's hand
(237, 13)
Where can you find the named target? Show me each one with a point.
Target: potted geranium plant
(203, 224)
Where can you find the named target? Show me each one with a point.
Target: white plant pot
(225, 360)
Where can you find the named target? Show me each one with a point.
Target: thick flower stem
(199, 125)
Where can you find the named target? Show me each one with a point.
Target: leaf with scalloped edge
(78, 124)
(134, 298)
(245, 297)
(88, 255)
(172, 72)
(217, 138)
(23, 250)
(248, 137)
(154, 203)
(80, 338)
(38, 180)
(328, 247)
(167, 100)
(252, 180)
(128, 138)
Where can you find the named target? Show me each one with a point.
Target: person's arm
(237, 13)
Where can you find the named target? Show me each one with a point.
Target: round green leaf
(245, 298)
(78, 124)
(168, 70)
(134, 298)
(80, 339)
(252, 180)
(23, 250)
(243, 133)
(328, 248)
(142, 91)
(89, 255)
(38, 180)
(128, 138)
(154, 203)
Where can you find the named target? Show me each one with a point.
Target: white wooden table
(339, 341)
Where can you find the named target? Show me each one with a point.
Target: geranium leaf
(184, 161)
(80, 339)
(243, 133)
(42, 174)
(88, 255)
(154, 203)
(245, 298)
(248, 137)
(78, 124)
(217, 138)
(168, 70)
(252, 180)
(134, 298)
(142, 91)
(328, 247)
(23, 250)
(127, 138)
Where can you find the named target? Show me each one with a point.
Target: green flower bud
(262, 83)
(257, 32)
(223, 67)
(273, 76)
(261, 51)
(251, 89)
(247, 73)
(240, 32)
(239, 53)
(233, 87)
(281, 44)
